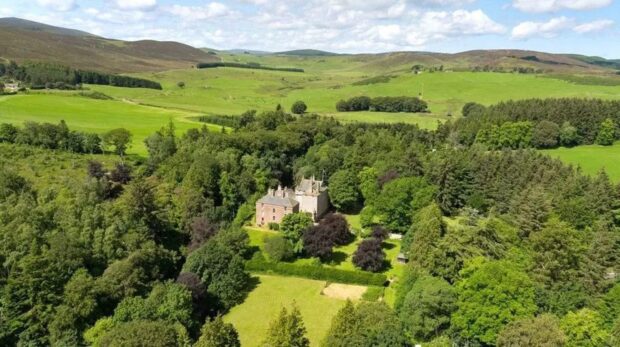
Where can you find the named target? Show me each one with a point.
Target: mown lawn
(253, 316)
(592, 158)
(99, 116)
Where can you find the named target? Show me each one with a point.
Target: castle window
(274, 210)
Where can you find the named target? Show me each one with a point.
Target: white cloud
(58, 5)
(547, 29)
(540, 6)
(140, 5)
(193, 13)
(595, 26)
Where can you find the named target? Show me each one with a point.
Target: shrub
(545, 134)
(259, 264)
(373, 293)
(273, 226)
(369, 256)
(278, 248)
(299, 107)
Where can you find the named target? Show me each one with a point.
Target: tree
(368, 184)
(545, 134)
(121, 173)
(216, 333)
(337, 227)
(8, 132)
(95, 169)
(426, 231)
(491, 295)
(181, 84)
(119, 138)
(201, 230)
(368, 324)
(609, 306)
(472, 108)
(299, 107)
(161, 145)
(568, 135)
(141, 333)
(221, 270)
(318, 242)
(278, 248)
(427, 308)
(343, 191)
(380, 233)
(583, 329)
(606, 133)
(543, 331)
(400, 199)
(293, 226)
(369, 256)
(287, 330)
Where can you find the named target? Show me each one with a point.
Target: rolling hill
(22, 40)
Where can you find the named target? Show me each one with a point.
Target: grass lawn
(263, 304)
(99, 116)
(592, 158)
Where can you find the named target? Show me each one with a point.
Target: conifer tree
(287, 330)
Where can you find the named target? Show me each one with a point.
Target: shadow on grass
(388, 246)
(336, 258)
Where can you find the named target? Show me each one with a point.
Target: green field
(592, 159)
(232, 91)
(263, 304)
(92, 115)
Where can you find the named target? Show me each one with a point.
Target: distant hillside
(610, 63)
(18, 23)
(307, 53)
(22, 41)
(504, 60)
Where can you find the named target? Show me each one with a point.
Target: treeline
(383, 104)
(540, 123)
(51, 76)
(51, 136)
(246, 66)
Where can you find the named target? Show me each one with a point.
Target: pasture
(253, 316)
(233, 91)
(99, 116)
(592, 158)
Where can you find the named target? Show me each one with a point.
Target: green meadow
(92, 115)
(233, 90)
(592, 159)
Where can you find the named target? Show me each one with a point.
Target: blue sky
(353, 26)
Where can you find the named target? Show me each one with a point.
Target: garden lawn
(253, 316)
(592, 158)
(99, 116)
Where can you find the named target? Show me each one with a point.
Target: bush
(278, 248)
(373, 293)
(259, 264)
(299, 107)
(545, 134)
(273, 226)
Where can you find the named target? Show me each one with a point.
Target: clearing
(253, 316)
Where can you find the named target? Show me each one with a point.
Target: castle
(309, 196)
